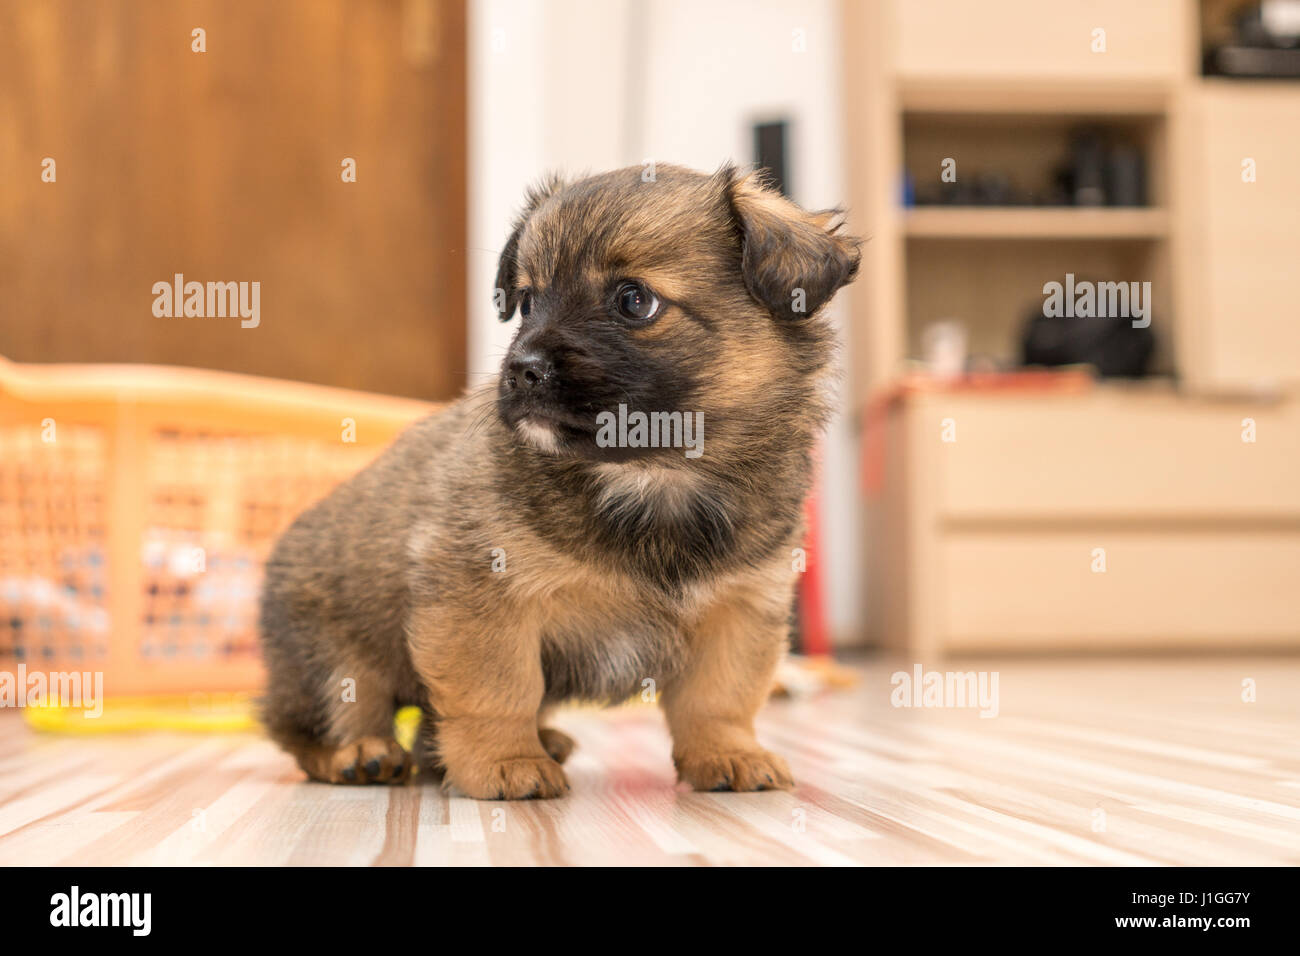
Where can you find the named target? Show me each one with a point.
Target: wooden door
(226, 165)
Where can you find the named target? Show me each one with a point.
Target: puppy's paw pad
(556, 743)
(740, 770)
(521, 778)
(369, 760)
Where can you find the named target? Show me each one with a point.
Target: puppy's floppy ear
(793, 260)
(505, 295)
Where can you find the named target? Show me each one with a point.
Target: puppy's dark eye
(635, 302)
(526, 303)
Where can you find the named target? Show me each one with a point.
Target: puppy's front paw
(520, 778)
(737, 770)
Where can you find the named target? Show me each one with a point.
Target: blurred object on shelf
(1125, 176)
(1110, 344)
(1095, 166)
(944, 344)
(1281, 21)
(1103, 169)
(1265, 43)
(1087, 169)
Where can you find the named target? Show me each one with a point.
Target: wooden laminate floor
(1115, 761)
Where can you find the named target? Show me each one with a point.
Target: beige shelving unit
(939, 222)
(970, 558)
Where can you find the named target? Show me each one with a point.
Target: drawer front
(1011, 591)
(1111, 453)
(1033, 38)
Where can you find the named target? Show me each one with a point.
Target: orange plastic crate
(138, 504)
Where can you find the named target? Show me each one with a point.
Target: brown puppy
(530, 544)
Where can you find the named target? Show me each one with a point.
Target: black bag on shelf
(1111, 345)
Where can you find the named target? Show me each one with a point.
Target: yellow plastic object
(195, 713)
(405, 726)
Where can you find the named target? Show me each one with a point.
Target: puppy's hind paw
(556, 743)
(368, 760)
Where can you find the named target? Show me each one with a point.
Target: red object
(814, 638)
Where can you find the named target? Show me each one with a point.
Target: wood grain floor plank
(1089, 761)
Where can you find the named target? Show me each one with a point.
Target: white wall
(587, 85)
(546, 92)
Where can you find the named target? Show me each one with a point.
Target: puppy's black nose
(529, 371)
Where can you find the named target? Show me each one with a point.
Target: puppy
(538, 541)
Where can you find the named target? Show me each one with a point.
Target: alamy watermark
(215, 300)
(651, 430)
(79, 689)
(1101, 300)
(923, 688)
(130, 910)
